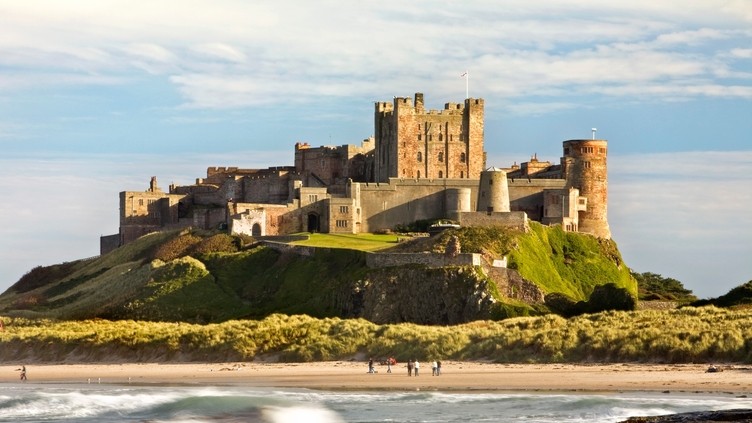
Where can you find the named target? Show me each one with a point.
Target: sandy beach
(456, 376)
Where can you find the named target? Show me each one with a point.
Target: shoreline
(457, 376)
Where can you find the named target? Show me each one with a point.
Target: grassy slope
(570, 263)
(214, 287)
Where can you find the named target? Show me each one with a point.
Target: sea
(102, 403)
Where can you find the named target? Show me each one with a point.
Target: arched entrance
(313, 223)
(256, 230)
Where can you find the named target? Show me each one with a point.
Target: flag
(464, 74)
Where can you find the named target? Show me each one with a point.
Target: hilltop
(202, 277)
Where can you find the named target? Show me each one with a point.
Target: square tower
(412, 142)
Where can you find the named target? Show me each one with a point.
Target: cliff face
(444, 296)
(130, 283)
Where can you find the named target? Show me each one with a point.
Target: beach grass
(686, 335)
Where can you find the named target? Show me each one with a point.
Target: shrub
(218, 243)
(175, 247)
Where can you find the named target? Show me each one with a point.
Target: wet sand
(456, 376)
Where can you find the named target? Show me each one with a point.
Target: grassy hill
(203, 277)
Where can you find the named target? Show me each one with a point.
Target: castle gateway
(419, 165)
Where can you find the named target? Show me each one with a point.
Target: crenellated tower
(412, 142)
(584, 167)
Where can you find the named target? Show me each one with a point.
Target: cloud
(244, 53)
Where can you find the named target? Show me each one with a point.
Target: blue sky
(98, 96)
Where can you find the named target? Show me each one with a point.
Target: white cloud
(237, 54)
(221, 51)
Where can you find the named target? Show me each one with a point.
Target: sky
(98, 96)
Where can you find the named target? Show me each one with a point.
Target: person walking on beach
(434, 368)
(23, 373)
(409, 367)
(370, 366)
(389, 365)
(438, 368)
(416, 365)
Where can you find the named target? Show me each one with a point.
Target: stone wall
(526, 195)
(514, 220)
(108, 243)
(403, 201)
(379, 260)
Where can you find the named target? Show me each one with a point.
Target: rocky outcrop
(446, 296)
(737, 415)
(512, 285)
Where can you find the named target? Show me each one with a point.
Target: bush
(176, 247)
(219, 243)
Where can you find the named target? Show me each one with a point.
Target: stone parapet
(433, 260)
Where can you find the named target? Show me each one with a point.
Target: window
(341, 223)
(462, 174)
(586, 165)
(463, 158)
(586, 150)
(441, 156)
(441, 174)
(602, 150)
(566, 151)
(420, 156)
(418, 174)
(313, 198)
(441, 137)
(344, 209)
(418, 137)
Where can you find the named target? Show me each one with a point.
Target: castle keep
(419, 165)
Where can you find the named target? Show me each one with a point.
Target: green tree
(652, 286)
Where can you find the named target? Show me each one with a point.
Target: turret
(493, 191)
(584, 167)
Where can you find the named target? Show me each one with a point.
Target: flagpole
(467, 84)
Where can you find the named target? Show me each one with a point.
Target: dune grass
(696, 335)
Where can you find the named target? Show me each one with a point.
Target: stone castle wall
(403, 201)
(513, 220)
(435, 260)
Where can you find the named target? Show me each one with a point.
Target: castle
(419, 165)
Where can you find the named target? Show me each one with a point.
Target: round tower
(457, 202)
(493, 191)
(584, 168)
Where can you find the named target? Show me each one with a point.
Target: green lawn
(362, 242)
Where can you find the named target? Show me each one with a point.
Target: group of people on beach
(413, 366)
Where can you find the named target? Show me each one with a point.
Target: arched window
(462, 174)
(420, 156)
(463, 158)
(418, 174)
